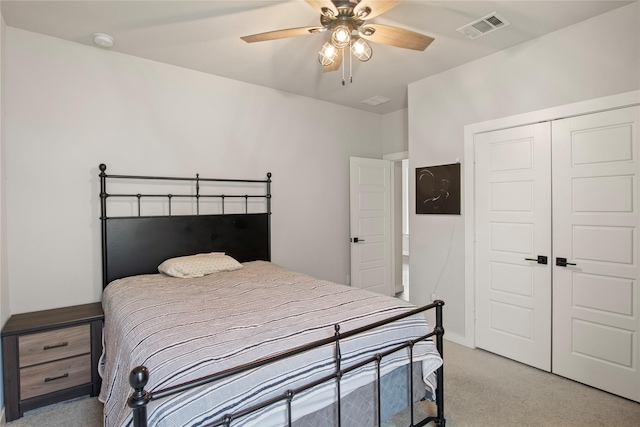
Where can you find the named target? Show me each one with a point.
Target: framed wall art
(438, 189)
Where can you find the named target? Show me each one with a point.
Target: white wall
(4, 283)
(395, 132)
(595, 58)
(70, 107)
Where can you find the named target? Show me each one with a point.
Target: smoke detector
(103, 40)
(483, 26)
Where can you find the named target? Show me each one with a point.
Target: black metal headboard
(133, 245)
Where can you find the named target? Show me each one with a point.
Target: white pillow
(198, 265)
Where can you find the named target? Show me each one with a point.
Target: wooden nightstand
(50, 356)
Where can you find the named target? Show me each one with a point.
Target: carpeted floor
(81, 412)
(481, 389)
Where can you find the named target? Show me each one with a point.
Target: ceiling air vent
(376, 100)
(483, 26)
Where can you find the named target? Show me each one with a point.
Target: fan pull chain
(342, 66)
(350, 63)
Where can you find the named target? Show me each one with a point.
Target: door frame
(612, 102)
(394, 157)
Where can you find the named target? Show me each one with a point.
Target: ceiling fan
(347, 22)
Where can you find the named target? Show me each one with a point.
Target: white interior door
(513, 228)
(596, 300)
(370, 219)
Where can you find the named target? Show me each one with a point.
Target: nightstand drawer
(59, 375)
(53, 345)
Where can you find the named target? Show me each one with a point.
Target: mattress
(183, 329)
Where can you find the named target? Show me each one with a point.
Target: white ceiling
(205, 36)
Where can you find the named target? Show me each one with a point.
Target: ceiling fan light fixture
(341, 36)
(346, 20)
(363, 13)
(366, 31)
(327, 12)
(361, 50)
(327, 54)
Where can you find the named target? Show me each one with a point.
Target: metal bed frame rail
(104, 195)
(139, 376)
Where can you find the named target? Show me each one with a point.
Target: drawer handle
(46, 380)
(49, 347)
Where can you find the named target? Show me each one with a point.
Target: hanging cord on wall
(446, 261)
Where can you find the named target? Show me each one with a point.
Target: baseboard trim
(458, 339)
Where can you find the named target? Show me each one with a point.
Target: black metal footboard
(139, 376)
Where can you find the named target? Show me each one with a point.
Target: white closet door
(596, 313)
(513, 228)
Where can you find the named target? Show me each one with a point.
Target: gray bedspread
(182, 329)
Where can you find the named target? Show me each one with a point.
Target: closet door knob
(562, 262)
(540, 260)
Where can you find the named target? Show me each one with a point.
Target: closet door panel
(513, 290)
(596, 319)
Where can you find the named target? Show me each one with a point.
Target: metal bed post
(440, 372)
(439, 419)
(338, 360)
(139, 399)
(379, 388)
(269, 212)
(411, 343)
(103, 220)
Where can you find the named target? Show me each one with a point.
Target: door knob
(562, 262)
(540, 260)
(356, 240)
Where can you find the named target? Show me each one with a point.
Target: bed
(252, 344)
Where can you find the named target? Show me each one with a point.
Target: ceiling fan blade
(372, 8)
(281, 34)
(319, 5)
(336, 62)
(394, 36)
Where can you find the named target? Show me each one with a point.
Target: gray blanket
(183, 329)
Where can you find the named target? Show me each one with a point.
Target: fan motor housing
(345, 17)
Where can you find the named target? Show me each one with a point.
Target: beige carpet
(481, 389)
(82, 412)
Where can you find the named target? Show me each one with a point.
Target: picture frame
(438, 189)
